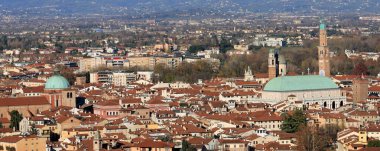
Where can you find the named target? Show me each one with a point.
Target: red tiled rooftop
(23, 101)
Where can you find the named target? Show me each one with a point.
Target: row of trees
(186, 72)
(234, 66)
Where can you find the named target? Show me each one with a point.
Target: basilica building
(308, 89)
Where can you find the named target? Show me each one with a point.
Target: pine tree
(293, 122)
(16, 117)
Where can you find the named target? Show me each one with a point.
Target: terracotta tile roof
(370, 149)
(36, 81)
(271, 146)
(38, 89)
(23, 101)
(156, 100)
(86, 145)
(4, 120)
(332, 116)
(375, 88)
(283, 135)
(199, 141)
(364, 113)
(154, 144)
(14, 139)
(242, 82)
(217, 104)
(262, 75)
(346, 77)
(234, 141)
(265, 116)
(6, 130)
(108, 103)
(252, 137)
(131, 100)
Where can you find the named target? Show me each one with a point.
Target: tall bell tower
(323, 52)
(272, 64)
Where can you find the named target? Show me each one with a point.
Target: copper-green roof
(322, 26)
(300, 83)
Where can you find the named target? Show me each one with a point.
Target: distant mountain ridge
(113, 7)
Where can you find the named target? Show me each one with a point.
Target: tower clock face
(322, 72)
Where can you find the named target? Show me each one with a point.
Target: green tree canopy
(292, 123)
(374, 143)
(16, 117)
(186, 146)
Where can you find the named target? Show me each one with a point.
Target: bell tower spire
(323, 51)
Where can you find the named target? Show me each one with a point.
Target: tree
(292, 123)
(16, 117)
(360, 68)
(374, 143)
(225, 45)
(1, 125)
(34, 130)
(185, 72)
(331, 130)
(54, 137)
(165, 138)
(312, 139)
(186, 146)
(196, 48)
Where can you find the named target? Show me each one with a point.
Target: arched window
(325, 104)
(333, 105)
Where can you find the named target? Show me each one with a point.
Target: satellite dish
(322, 72)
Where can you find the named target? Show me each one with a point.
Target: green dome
(57, 82)
(299, 83)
